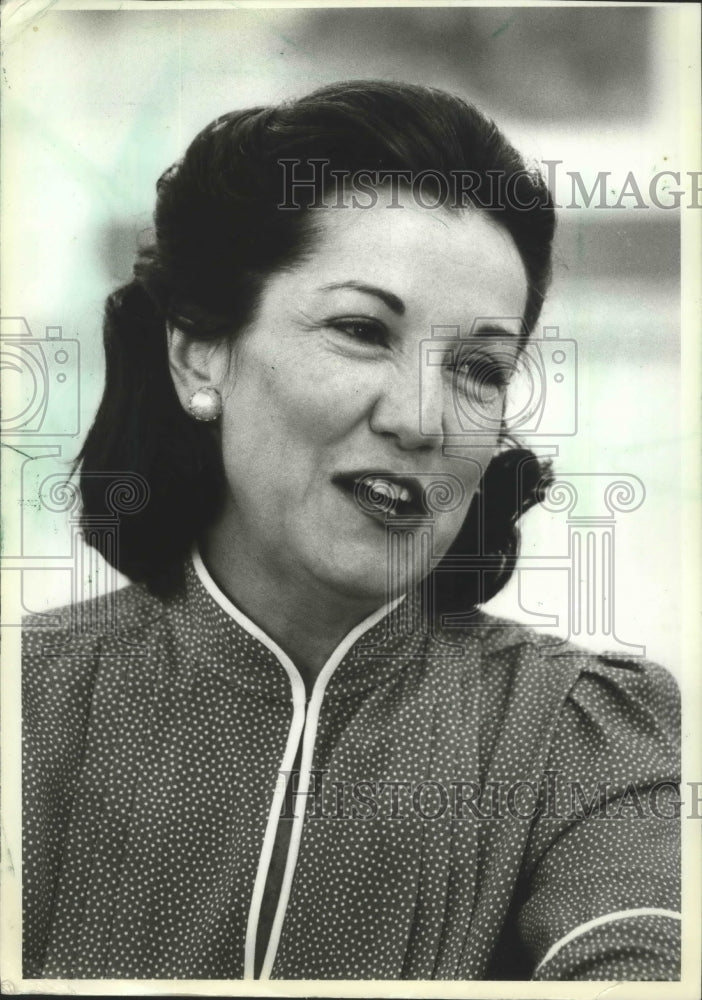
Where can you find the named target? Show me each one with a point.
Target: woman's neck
(304, 618)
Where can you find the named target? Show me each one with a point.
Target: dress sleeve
(603, 861)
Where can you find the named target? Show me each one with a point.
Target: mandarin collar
(231, 644)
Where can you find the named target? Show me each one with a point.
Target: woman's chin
(360, 564)
(368, 582)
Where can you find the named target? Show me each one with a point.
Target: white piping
(305, 768)
(241, 619)
(644, 911)
(297, 726)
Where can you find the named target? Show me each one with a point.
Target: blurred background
(96, 104)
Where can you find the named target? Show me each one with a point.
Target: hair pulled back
(219, 233)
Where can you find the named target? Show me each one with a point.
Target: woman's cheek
(331, 399)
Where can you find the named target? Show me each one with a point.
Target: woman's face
(333, 388)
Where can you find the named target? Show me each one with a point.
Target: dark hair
(219, 232)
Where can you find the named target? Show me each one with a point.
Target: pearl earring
(206, 404)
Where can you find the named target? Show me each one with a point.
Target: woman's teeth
(389, 491)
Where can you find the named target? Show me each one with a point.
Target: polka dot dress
(483, 803)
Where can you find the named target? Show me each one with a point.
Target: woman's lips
(380, 494)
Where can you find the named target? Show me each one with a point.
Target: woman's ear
(195, 364)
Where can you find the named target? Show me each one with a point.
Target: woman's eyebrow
(390, 300)
(495, 330)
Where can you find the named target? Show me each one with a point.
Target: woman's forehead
(415, 253)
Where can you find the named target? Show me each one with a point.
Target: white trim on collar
(241, 619)
(299, 727)
(310, 735)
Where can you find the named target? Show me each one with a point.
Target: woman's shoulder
(117, 611)
(501, 635)
(72, 639)
(620, 713)
(71, 654)
(593, 691)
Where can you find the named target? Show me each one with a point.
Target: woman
(302, 751)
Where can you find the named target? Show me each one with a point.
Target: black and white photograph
(351, 499)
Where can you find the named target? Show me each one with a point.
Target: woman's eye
(474, 371)
(365, 330)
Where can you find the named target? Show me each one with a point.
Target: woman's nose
(410, 406)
